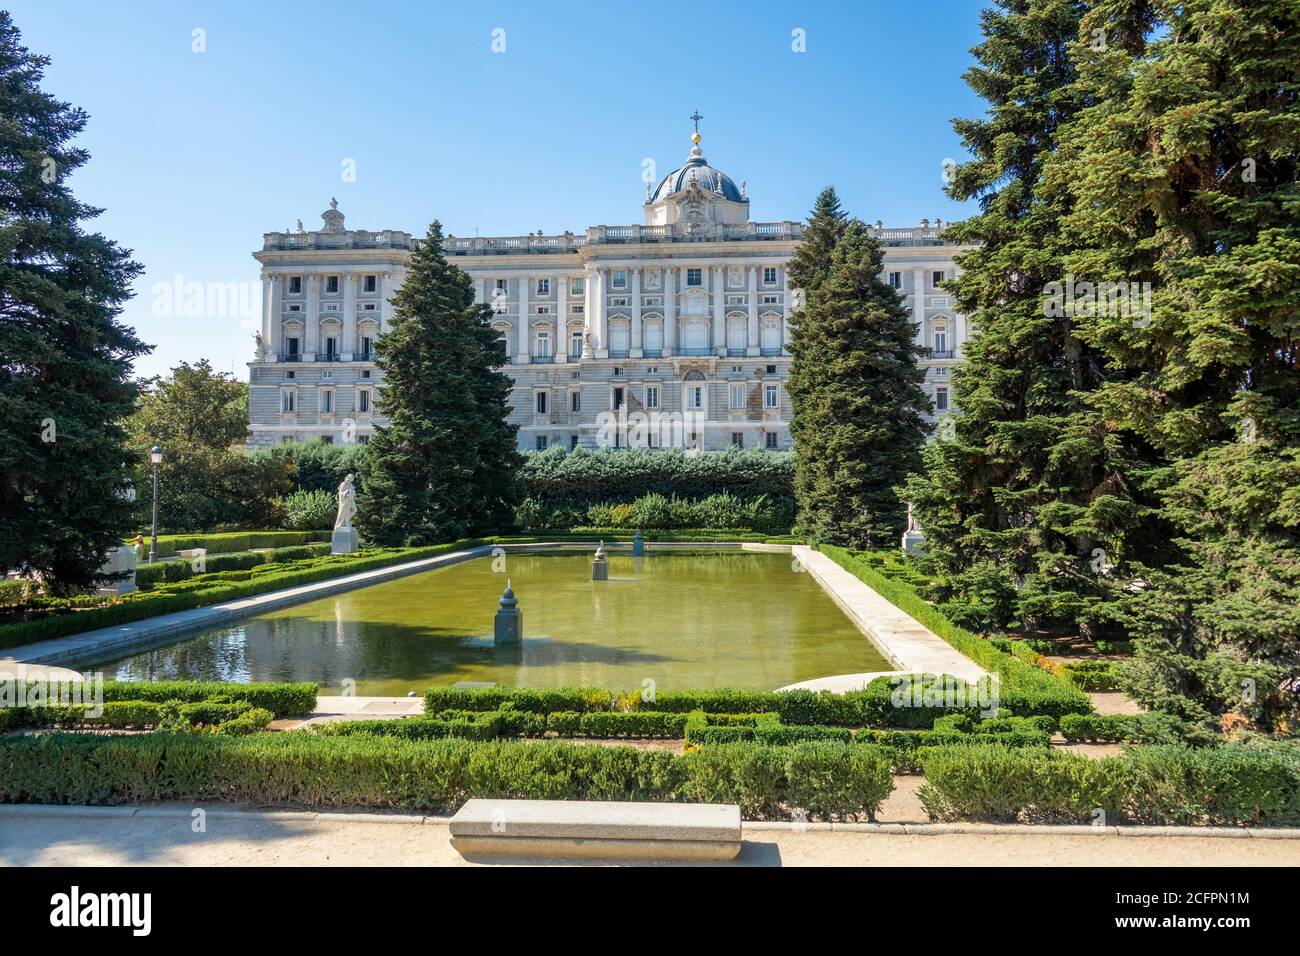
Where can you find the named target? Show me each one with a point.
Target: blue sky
(195, 155)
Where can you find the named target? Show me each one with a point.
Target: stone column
(386, 291)
(561, 348)
(634, 347)
(522, 358)
(273, 322)
(670, 311)
(918, 304)
(787, 304)
(311, 318)
(348, 346)
(589, 313)
(601, 319)
(719, 312)
(751, 294)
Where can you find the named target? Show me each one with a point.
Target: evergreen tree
(445, 466)
(858, 422)
(1025, 500)
(65, 361)
(1184, 174)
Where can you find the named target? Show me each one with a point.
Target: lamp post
(155, 456)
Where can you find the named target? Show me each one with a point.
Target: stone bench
(589, 829)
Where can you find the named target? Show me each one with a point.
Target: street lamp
(155, 456)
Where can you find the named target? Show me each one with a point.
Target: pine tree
(1184, 174)
(445, 466)
(65, 361)
(858, 422)
(1024, 500)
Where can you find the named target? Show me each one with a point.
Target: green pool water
(721, 619)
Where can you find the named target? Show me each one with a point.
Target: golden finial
(696, 117)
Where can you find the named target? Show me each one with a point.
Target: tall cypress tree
(445, 466)
(65, 361)
(1184, 174)
(1024, 501)
(858, 420)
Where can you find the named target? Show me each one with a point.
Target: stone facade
(669, 333)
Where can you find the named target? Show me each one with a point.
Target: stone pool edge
(41, 659)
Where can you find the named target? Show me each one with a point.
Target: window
(365, 373)
(575, 401)
(695, 277)
(541, 403)
(575, 345)
(543, 344)
(771, 396)
(618, 370)
(327, 439)
(288, 401)
(577, 309)
(575, 287)
(368, 283)
(503, 286)
(695, 396)
(331, 285)
(936, 277)
(769, 275)
(771, 299)
(295, 308)
(295, 285)
(364, 439)
(618, 279)
(327, 401)
(620, 301)
(543, 286)
(363, 400)
(367, 347)
(541, 443)
(291, 346)
(331, 307)
(331, 348)
(735, 300)
(652, 396)
(940, 341)
(771, 370)
(368, 307)
(573, 442)
(769, 441)
(941, 399)
(618, 398)
(289, 375)
(738, 439)
(737, 396)
(896, 280)
(543, 310)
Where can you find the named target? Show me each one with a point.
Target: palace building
(668, 333)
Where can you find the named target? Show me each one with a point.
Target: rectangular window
(770, 440)
(364, 439)
(771, 299)
(695, 397)
(618, 398)
(694, 277)
(543, 286)
(331, 285)
(575, 401)
(331, 348)
(577, 309)
(367, 347)
(737, 396)
(543, 344)
(326, 402)
(295, 285)
(543, 310)
(503, 285)
(896, 280)
(327, 439)
(291, 347)
(541, 403)
(575, 345)
(573, 442)
(618, 279)
(652, 396)
(369, 283)
(941, 399)
(541, 443)
(769, 275)
(738, 439)
(936, 277)
(620, 301)
(363, 400)
(575, 287)
(771, 396)
(288, 400)
(940, 342)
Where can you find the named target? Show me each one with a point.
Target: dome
(697, 168)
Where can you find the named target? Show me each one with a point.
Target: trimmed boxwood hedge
(225, 542)
(1025, 689)
(828, 781)
(1226, 785)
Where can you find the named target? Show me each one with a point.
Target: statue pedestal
(118, 561)
(914, 541)
(343, 541)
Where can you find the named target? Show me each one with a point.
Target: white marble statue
(347, 504)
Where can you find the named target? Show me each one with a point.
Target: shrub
(309, 510)
(1099, 727)
(1093, 675)
(634, 724)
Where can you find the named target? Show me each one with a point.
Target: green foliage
(1228, 785)
(150, 575)
(235, 541)
(858, 423)
(445, 466)
(309, 510)
(1093, 675)
(65, 359)
(657, 512)
(316, 466)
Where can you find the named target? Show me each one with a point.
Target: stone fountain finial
(599, 565)
(508, 627)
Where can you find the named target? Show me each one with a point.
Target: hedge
(906, 746)
(1092, 675)
(169, 544)
(1226, 785)
(59, 620)
(148, 575)
(1099, 727)
(363, 770)
(1024, 689)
